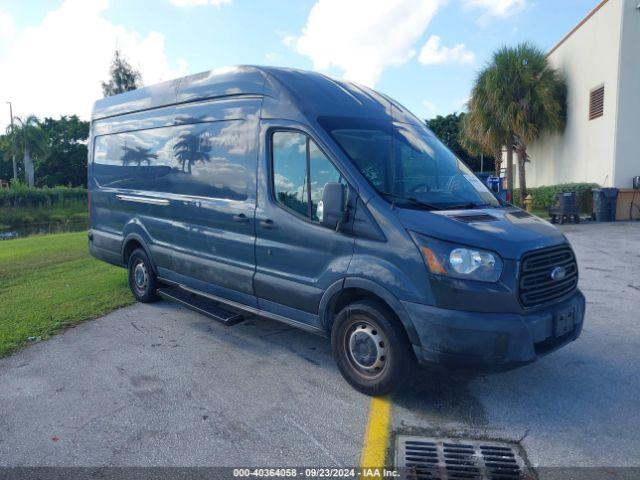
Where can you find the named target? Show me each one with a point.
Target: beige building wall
(603, 50)
(627, 148)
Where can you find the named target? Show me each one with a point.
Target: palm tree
(29, 140)
(137, 155)
(517, 97)
(478, 135)
(190, 149)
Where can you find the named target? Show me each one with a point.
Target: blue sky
(424, 53)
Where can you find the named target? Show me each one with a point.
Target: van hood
(508, 231)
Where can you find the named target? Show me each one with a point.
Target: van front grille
(546, 275)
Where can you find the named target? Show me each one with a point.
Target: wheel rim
(140, 277)
(367, 348)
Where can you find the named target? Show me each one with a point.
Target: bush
(70, 212)
(545, 196)
(21, 196)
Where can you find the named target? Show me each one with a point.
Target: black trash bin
(565, 208)
(604, 204)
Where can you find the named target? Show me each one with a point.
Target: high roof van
(327, 206)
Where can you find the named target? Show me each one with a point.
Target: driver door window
(300, 172)
(290, 171)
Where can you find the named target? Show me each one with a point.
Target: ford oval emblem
(558, 273)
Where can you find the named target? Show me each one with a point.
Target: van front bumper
(492, 341)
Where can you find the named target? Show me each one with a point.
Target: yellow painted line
(376, 436)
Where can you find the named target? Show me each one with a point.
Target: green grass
(70, 211)
(51, 282)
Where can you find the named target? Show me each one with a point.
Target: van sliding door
(214, 225)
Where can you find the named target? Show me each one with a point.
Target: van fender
(134, 230)
(376, 290)
(328, 295)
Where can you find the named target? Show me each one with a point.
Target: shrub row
(20, 196)
(16, 217)
(545, 196)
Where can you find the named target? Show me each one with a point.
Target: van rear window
(206, 159)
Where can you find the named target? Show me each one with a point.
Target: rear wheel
(371, 348)
(142, 279)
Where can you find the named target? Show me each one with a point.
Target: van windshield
(407, 164)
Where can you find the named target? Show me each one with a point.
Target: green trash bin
(604, 204)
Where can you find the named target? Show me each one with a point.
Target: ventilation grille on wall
(596, 102)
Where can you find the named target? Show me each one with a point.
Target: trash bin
(604, 204)
(566, 207)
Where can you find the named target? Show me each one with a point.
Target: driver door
(296, 257)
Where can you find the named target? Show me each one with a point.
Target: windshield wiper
(411, 200)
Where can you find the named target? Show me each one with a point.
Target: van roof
(288, 93)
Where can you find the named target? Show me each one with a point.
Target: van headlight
(459, 261)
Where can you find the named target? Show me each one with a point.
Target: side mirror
(331, 209)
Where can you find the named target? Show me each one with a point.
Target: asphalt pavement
(158, 385)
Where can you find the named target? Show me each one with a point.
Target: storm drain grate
(424, 458)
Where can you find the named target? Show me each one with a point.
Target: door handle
(266, 223)
(241, 218)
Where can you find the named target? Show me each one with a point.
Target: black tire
(360, 327)
(142, 279)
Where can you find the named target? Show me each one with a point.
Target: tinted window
(292, 176)
(134, 160)
(211, 159)
(290, 170)
(206, 159)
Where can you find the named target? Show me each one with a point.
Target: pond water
(19, 231)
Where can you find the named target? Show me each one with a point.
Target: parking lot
(159, 385)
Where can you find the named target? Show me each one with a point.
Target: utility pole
(13, 153)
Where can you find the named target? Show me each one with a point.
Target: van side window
(290, 171)
(300, 172)
(321, 172)
(202, 159)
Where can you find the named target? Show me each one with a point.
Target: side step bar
(200, 304)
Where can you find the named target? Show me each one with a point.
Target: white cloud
(55, 67)
(6, 25)
(497, 8)
(289, 40)
(199, 3)
(282, 182)
(363, 37)
(429, 108)
(433, 53)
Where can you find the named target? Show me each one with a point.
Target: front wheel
(371, 348)
(142, 279)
